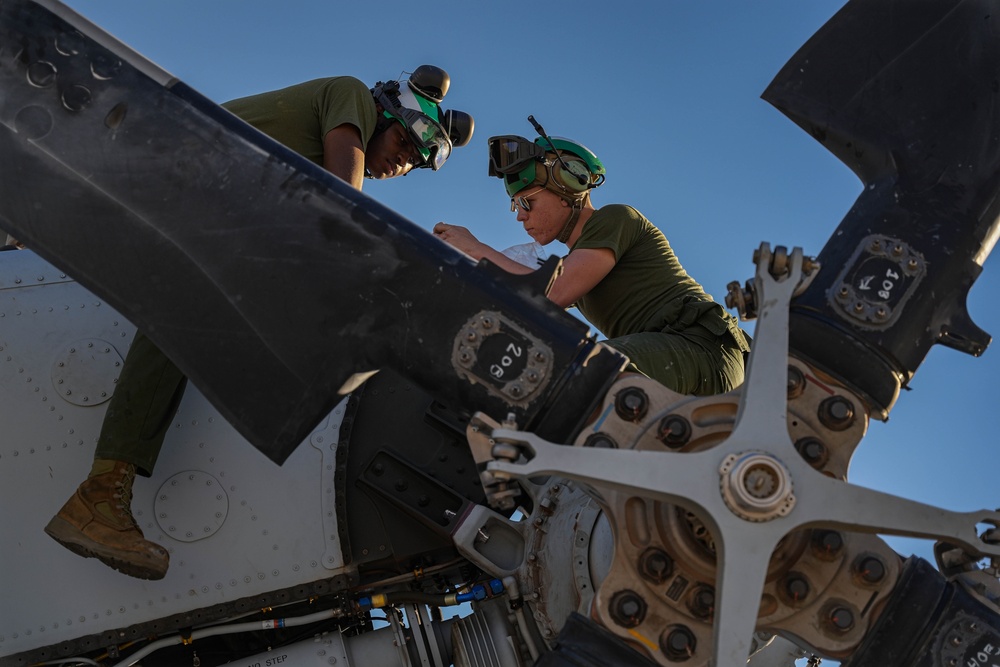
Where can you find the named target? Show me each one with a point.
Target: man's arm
(464, 240)
(582, 270)
(343, 155)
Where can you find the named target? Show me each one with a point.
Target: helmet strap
(567, 230)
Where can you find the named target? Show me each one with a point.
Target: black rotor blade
(904, 92)
(268, 281)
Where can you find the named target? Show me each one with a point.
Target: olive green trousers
(694, 362)
(140, 411)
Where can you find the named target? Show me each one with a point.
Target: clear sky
(667, 94)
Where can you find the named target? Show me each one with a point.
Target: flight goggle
(511, 154)
(428, 136)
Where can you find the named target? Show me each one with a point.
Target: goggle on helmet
(515, 160)
(417, 107)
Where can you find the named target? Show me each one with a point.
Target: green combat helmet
(416, 106)
(569, 168)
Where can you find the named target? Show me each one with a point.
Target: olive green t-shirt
(647, 289)
(300, 116)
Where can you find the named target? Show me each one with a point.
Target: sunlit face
(545, 215)
(391, 153)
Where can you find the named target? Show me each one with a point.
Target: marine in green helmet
(344, 126)
(620, 271)
(354, 131)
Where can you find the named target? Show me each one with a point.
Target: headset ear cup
(571, 179)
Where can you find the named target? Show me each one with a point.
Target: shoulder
(621, 216)
(620, 213)
(341, 88)
(344, 84)
(333, 87)
(344, 99)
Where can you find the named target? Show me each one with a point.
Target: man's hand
(460, 238)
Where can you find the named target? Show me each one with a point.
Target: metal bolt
(836, 413)
(674, 431)
(655, 565)
(813, 451)
(505, 451)
(828, 543)
(841, 619)
(627, 609)
(871, 569)
(702, 602)
(678, 643)
(796, 382)
(378, 469)
(733, 295)
(631, 404)
(601, 441)
(876, 245)
(796, 587)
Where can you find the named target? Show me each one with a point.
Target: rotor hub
(756, 486)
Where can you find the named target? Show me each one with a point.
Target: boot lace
(125, 493)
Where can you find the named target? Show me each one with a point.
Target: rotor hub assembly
(756, 486)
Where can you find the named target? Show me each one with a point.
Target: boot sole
(70, 537)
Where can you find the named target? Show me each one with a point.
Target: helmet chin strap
(570, 225)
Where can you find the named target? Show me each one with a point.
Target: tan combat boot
(97, 522)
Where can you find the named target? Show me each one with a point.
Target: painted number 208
(888, 283)
(498, 370)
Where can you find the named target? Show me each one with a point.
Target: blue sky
(667, 94)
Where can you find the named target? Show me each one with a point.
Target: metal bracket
(695, 479)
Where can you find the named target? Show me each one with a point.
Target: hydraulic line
(478, 592)
(252, 626)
